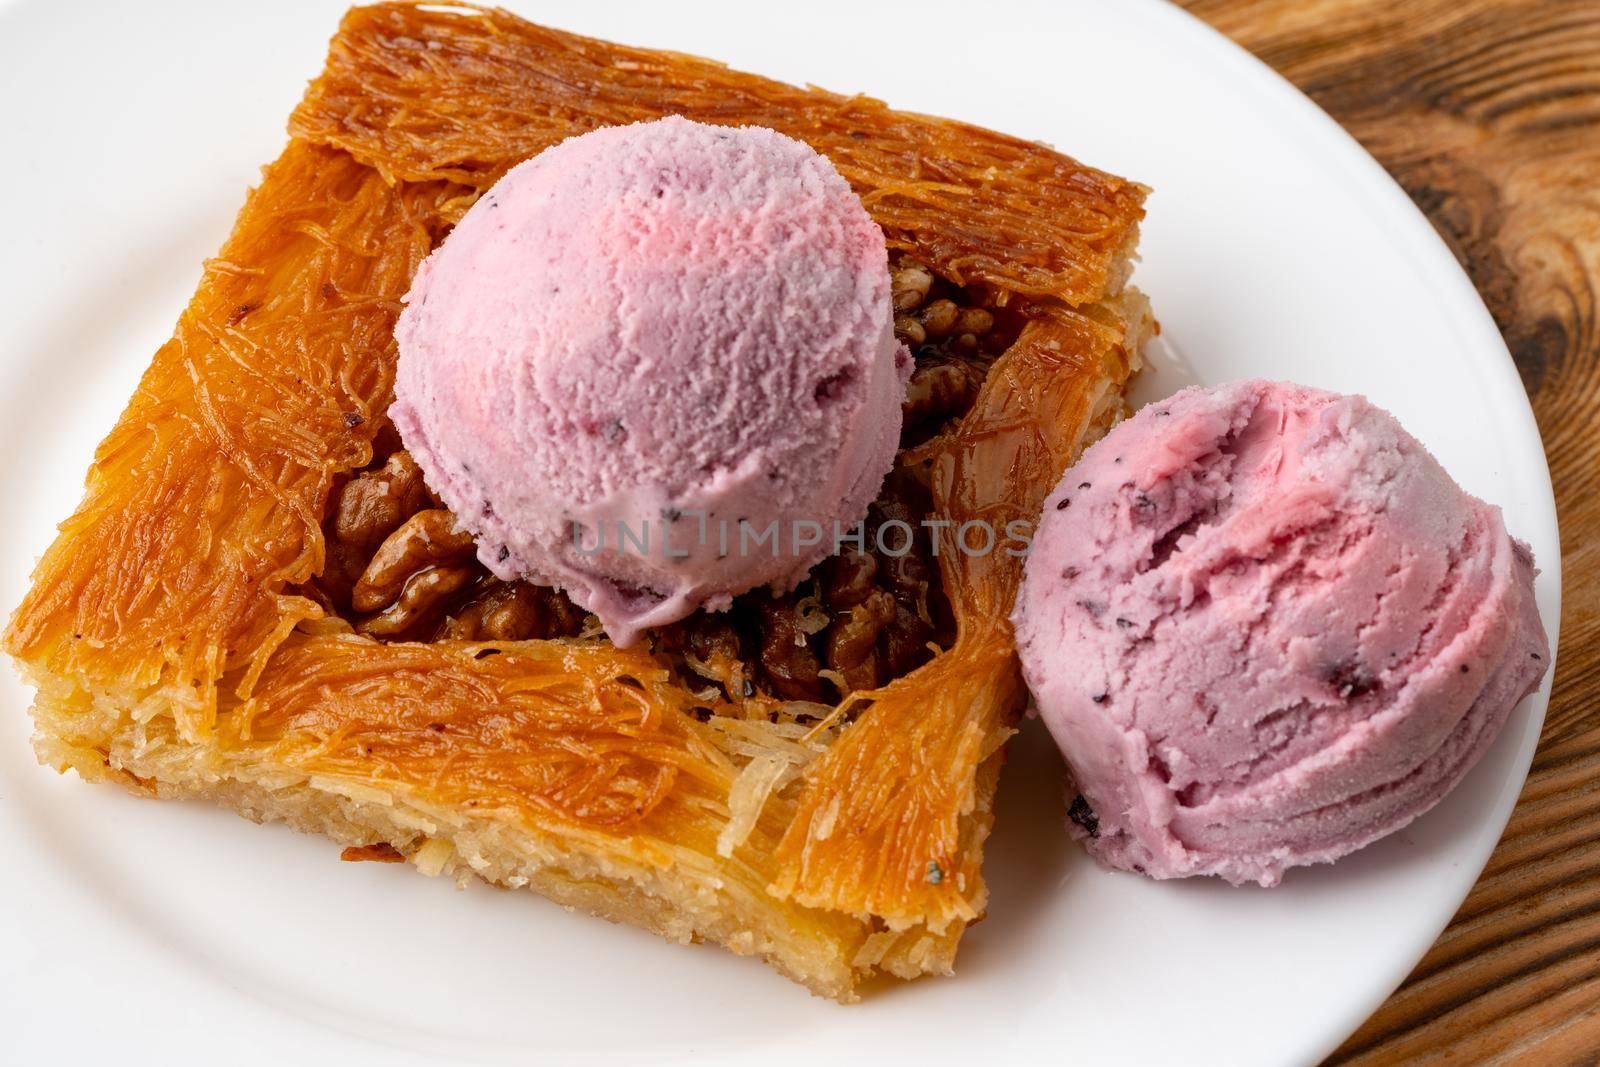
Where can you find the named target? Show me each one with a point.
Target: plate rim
(1441, 270)
(1446, 274)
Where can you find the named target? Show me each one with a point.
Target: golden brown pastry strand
(885, 825)
(206, 498)
(465, 95)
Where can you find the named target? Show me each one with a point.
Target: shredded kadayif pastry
(236, 611)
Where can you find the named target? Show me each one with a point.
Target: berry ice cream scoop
(655, 365)
(1266, 628)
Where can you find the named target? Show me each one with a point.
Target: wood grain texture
(1488, 113)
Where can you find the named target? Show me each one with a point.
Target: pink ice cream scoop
(1266, 628)
(655, 365)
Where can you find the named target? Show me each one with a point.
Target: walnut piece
(426, 538)
(425, 594)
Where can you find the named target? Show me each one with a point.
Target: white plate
(166, 933)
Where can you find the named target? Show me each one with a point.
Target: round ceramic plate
(1274, 246)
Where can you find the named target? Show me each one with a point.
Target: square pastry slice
(237, 610)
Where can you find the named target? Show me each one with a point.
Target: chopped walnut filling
(399, 567)
(514, 611)
(954, 338)
(430, 541)
(865, 616)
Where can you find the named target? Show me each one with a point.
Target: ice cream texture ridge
(642, 336)
(1266, 628)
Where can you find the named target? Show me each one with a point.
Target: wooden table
(1488, 113)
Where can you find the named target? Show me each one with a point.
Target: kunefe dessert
(259, 602)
